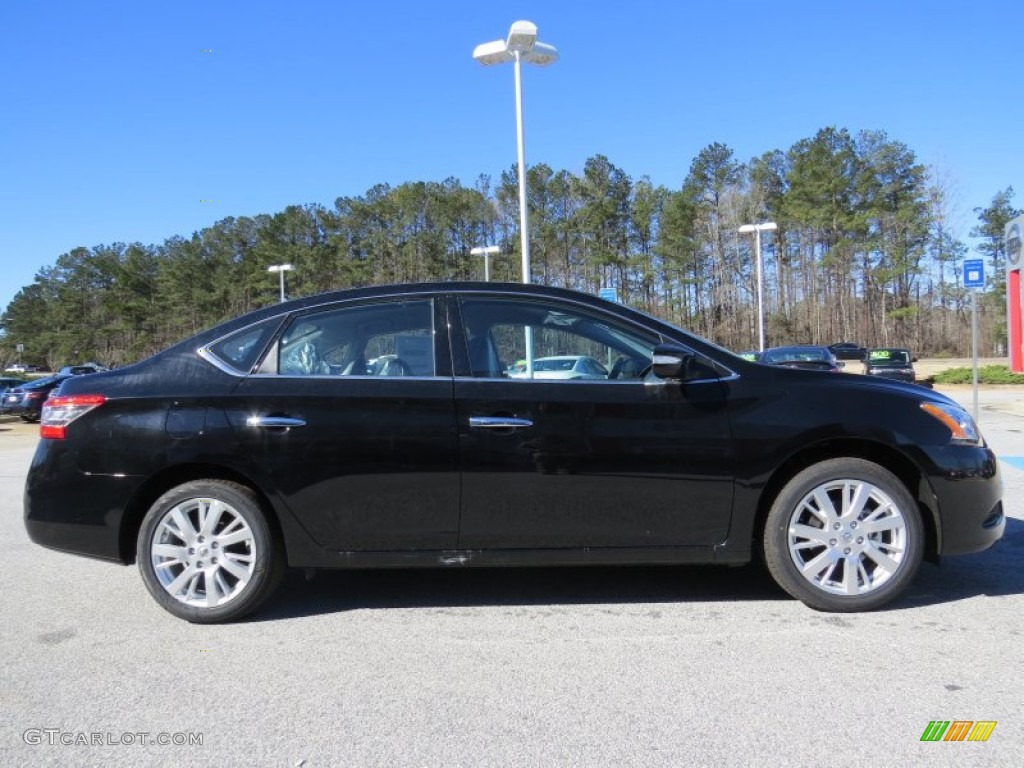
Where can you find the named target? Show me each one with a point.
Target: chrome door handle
(274, 422)
(498, 422)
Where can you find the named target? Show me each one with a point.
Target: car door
(622, 461)
(365, 461)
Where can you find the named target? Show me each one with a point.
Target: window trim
(460, 349)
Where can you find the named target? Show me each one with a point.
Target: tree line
(864, 252)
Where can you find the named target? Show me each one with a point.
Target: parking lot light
(281, 269)
(520, 46)
(757, 229)
(486, 251)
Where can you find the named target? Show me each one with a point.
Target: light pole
(281, 269)
(486, 251)
(757, 229)
(520, 46)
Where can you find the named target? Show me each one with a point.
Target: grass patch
(987, 374)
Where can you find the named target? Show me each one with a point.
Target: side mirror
(913, 359)
(670, 361)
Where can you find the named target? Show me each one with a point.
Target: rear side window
(394, 338)
(242, 349)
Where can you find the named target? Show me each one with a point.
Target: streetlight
(520, 46)
(486, 252)
(757, 229)
(281, 269)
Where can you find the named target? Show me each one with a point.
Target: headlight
(959, 422)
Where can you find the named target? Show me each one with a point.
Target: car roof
(413, 289)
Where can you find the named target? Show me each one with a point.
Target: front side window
(532, 339)
(385, 339)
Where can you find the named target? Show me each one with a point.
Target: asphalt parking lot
(595, 667)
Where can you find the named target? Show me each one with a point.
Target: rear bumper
(71, 511)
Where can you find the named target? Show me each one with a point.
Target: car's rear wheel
(207, 553)
(844, 535)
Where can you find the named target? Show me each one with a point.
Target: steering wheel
(396, 366)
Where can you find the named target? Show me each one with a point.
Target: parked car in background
(19, 368)
(263, 443)
(891, 363)
(79, 370)
(847, 350)
(26, 400)
(562, 367)
(802, 356)
(750, 354)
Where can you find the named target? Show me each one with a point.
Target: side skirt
(522, 557)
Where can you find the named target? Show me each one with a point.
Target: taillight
(61, 410)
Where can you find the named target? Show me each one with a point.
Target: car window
(796, 353)
(526, 338)
(241, 349)
(894, 357)
(384, 339)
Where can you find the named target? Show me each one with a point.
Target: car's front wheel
(207, 553)
(844, 535)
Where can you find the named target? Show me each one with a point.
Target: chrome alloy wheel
(847, 537)
(203, 552)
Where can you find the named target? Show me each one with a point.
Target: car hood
(862, 381)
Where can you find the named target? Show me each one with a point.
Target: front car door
(555, 455)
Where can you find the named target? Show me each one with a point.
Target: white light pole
(486, 251)
(757, 229)
(281, 269)
(520, 46)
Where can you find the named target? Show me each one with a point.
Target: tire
(207, 553)
(844, 535)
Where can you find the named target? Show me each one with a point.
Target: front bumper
(967, 492)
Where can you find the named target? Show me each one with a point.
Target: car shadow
(995, 572)
(333, 591)
(998, 571)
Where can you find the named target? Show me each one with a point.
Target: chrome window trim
(434, 294)
(346, 377)
(205, 353)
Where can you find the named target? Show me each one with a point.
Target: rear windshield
(796, 354)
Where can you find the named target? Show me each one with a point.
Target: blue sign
(974, 273)
(609, 294)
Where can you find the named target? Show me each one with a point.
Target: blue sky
(137, 121)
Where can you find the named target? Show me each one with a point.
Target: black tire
(188, 560)
(30, 418)
(857, 561)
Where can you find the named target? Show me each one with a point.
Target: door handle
(498, 422)
(274, 422)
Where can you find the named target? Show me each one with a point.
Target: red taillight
(61, 410)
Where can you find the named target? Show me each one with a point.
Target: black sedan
(270, 441)
(847, 350)
(26, 400)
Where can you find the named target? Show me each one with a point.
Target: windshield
(884, 357)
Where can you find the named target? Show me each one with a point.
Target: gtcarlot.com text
(54, 737)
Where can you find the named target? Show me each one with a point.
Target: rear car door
(350, 419)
